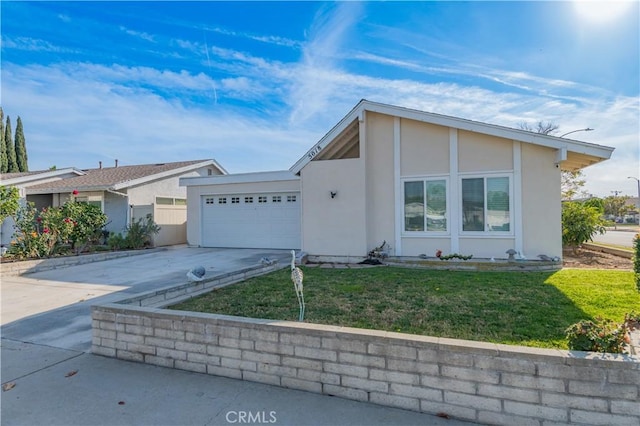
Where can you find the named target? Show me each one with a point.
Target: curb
(610, 250)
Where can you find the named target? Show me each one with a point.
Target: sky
(256, 84)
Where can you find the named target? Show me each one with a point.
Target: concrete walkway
(53, 380)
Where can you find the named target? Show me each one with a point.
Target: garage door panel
(255, 221)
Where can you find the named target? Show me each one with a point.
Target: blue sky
(256, 84)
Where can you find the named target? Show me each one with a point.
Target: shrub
(580, 223)
(140, 233)
(9, 201)
(600, 335)
(39, 234)
(117, 242)
(636, 260)
(88, 221)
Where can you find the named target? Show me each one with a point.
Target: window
(276, 199)
(486, 204)
(291, 198)
(168, 201)
(222, 200)
(208, 200)
(262, 199)
(181, 201)
(425, 206)
(235, 200)
(164, 201)
(248, 200)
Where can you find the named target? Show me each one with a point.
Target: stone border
(32, 266)
(610, 250)
(475, 381)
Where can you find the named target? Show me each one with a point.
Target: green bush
(600, 335)
(580, 223)
(117, 242)
(636, 260)
(140, 233)
(88, 221)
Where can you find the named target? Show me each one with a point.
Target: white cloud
(139, 34)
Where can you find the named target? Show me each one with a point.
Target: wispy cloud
(33, 45)
(139, 34)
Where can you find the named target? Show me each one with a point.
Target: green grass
(530, 309)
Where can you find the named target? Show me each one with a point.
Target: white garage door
(251, 220)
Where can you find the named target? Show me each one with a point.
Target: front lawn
(519, 308)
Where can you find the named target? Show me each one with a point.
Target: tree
(615, 205)
(12, 165)
(9, 201)
(4, 161)
(580, 223)
(571, 183)
(540, 127)
(21, 148)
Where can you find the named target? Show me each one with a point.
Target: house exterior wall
(424, 148)
(541, 202)
(195, 193)
(380, 192)
(334, 226)
(425, 151)
(116, 208)
(483, 153)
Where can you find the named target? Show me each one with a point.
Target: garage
(253, 220)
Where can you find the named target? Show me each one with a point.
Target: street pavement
(52, 379)
(617, 237)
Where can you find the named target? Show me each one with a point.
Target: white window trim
(486, 233)
(425, 234)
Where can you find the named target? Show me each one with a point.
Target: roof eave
(167, 173)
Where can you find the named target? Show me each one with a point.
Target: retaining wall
(10, 268)
(480, 382)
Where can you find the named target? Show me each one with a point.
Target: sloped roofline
(36, 176)
(569, 145)
(167, 173)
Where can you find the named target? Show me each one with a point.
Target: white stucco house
(419, 181)
(124, 193)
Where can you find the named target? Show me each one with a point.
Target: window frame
(425, 180)
(487, 232)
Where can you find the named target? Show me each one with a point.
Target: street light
(579, 130)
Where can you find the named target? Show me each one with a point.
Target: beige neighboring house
(127, 193)
(420, 181)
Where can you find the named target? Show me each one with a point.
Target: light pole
(579, 130)
(638, 201)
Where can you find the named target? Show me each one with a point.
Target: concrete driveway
(50, 378)
(53, 307)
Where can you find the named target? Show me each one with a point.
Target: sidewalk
(65, 387)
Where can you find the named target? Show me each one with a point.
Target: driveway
(53, 307)
(50, 379)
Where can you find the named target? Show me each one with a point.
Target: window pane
(498, 204)
(473, 204)
(164, 201)
(182, 201)
(436, 205)
(414, 206)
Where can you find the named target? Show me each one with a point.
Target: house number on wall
(314, 152)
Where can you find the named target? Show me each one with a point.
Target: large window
(425, 206)
(486, 204)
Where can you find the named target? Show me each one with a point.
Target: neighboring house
(127, 193)
(419, 181)
(24, 180)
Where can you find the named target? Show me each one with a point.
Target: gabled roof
(121, 177)
(572, 154)
(30, 178)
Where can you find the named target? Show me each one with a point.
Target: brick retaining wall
(475, 381)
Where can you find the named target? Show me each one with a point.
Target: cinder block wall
(480, 382)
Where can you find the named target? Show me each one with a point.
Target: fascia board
(41, 176)
(164, 174)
